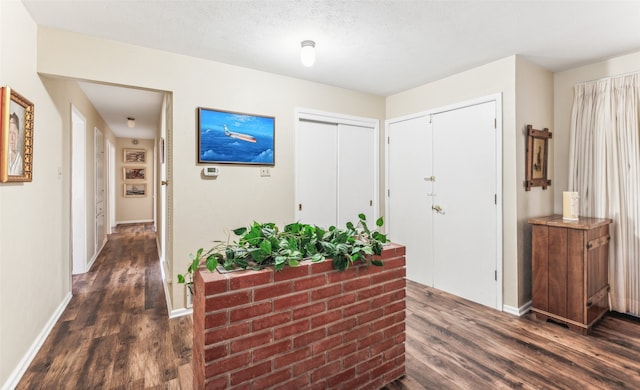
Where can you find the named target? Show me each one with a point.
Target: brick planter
(304, 327)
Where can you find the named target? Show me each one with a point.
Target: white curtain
(604, 168)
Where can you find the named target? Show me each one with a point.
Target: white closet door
(316, 170)
(409, 216)
(465, 242)
(356, 174)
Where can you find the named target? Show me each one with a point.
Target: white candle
(570, 206)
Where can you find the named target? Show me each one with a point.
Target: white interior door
(465, 189)
(409, 217)
(99, 190)
(316, 170)
(78, 192)
(356, 174)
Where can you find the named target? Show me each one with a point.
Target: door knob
(438, 209)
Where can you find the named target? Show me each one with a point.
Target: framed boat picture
(226, 137)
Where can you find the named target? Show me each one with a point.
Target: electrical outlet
(265, 171)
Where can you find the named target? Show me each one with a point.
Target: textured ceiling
(381, 47)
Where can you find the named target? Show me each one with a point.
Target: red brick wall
(303, 327)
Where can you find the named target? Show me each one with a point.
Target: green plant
(263, 244)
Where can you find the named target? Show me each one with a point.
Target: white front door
(444, 196)
(409, 218)
(464, 239)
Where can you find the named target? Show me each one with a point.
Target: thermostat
(210, 171)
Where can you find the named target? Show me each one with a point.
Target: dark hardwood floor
(456, 344)
(116, 334)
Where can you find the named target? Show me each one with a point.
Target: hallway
(115, 333)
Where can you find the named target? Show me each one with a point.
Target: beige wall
(34, 223)
(134, 209)
(534, 106)
(563, 83)
(204, 210)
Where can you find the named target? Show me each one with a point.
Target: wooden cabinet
(570, 270)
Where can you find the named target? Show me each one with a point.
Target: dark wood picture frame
(537, 158)
(16, 137)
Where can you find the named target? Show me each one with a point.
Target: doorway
(444, 197)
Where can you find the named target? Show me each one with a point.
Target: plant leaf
(212, 262)
(239, 231)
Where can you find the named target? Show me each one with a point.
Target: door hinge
(388, 140)
(495, 198)
(388, 193)
(495, 123)
(495, 275)
(299, 206)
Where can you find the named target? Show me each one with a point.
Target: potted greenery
(263, 244)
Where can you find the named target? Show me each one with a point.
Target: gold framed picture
(537, 158)
(132, 190)
(133, 173)
(135, 156)
(16, 137)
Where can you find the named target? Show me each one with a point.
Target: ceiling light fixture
(308, 52)
(131, 122)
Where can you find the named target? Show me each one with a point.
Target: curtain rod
(609, 77)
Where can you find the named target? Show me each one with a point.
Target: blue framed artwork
(226, 137)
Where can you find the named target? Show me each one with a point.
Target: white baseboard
(517, 311)
(95, 256)
(180, 313)
(134, 221)
(22, 366)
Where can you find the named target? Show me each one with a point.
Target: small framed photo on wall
(135, 190)
(135, 156)
(133, 173)
(16, 137)
(537, 158)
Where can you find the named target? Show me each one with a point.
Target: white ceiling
(116, 104)
(375, 46)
